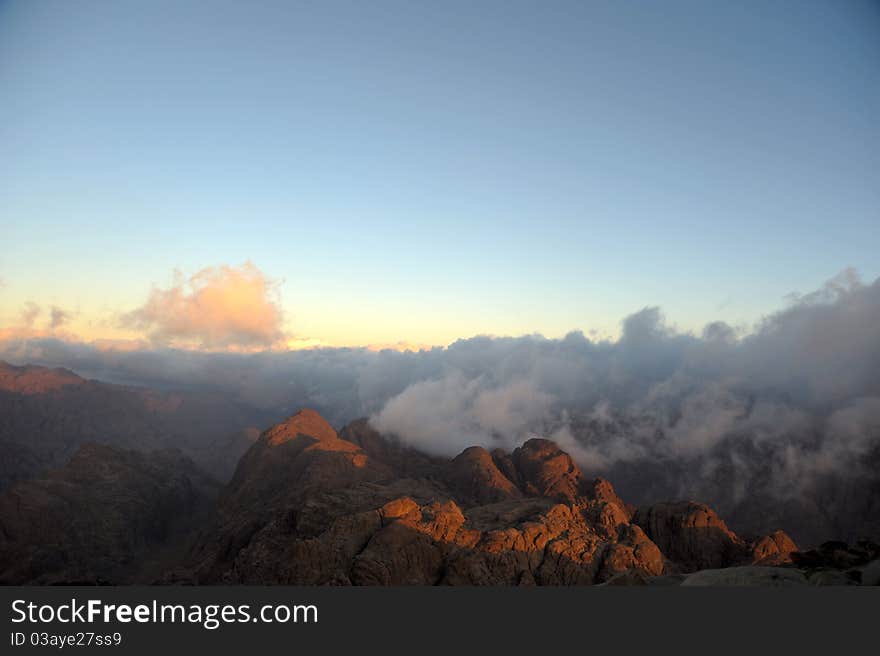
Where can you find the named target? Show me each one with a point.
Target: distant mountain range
(46, 414)
(110, 484)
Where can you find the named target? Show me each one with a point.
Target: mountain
(109, 515)
(308, 506)
(46, 414)
(31, 379)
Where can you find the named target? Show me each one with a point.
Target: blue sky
(425, 171)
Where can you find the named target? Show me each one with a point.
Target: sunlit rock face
(310, 506)
(31, 380)
(773, 549)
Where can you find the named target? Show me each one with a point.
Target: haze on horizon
(341, 174)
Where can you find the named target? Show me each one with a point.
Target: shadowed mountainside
(46, 414)
(108, 515)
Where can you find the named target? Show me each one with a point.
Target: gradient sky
(426, 171)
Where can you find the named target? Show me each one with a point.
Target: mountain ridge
(307, 504)
(46, 414)
(346, 515)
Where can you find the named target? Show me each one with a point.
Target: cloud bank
(789, 412)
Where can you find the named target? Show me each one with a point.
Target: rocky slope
(108, 515)
(311, 506)
(308, 506)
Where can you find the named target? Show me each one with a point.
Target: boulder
(773, 549)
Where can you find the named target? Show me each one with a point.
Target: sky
(236, 175)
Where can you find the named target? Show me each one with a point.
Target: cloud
(28, 326)
(447, 415)
(58, 317)
(399, 346)
(643, 327)
(789, 411)
(29, 314)
(216, 308)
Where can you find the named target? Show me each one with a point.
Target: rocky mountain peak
(691, 534)
(546, 470)
(476, 477)
(31, 379)
(305, 422)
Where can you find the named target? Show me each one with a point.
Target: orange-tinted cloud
(222, 307)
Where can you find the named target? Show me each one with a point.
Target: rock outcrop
(307, 506)
(837, 555)
(692, 535)
(839, 563)
(773, 549)
(546, 470)
(477, 480)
